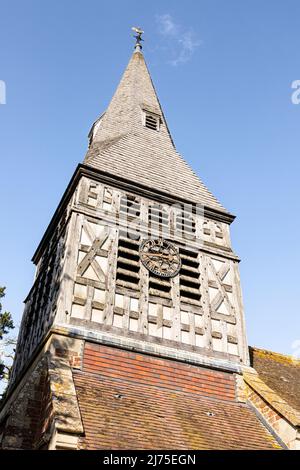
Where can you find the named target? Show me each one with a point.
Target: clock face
(160, 257)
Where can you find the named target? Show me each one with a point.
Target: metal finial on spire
(138, 37)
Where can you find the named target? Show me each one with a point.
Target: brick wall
(264, 408)
(163, 373)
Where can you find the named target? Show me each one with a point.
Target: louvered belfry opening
(189, 277)
(151, 121)
(159, 287)
(128, 261)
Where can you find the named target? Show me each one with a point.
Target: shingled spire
(132, 139)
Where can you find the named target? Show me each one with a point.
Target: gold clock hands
(159, 255)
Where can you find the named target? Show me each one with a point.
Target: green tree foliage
(6, 324)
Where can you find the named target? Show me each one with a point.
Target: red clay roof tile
(120, 414)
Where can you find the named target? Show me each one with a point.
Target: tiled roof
(122, 146)
(280, 372)
(125, 415)
(130, 400)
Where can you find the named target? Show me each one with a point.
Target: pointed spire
(134, 96)
(125, 141)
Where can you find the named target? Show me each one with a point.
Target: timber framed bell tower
(135, 265)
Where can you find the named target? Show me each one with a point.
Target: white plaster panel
(90, 274)
(92, 201)
(217, 344)
(107, 206)
(97, 315)
(133, 324)
(215, 325)
(223, 309)
(227, 279)
(119, 300)
(81, 255)
(134, 304)
(198, 320)
(212, 293)
(80, 290)
(99, 295)
(185, 318)
(185, 337)
(106, 245)
(231, 329)
(84, 239)
(232, 349)
(118, 321)
(155, 330)
(199, 341)
(217, 263)
(167, 312)
(77, 311)
(152, 309)
(166, 332)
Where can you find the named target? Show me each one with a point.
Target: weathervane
(138, 37)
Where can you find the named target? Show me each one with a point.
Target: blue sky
(223, 72)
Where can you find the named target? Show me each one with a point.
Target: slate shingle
(122, 146)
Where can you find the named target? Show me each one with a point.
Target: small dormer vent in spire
(151, 120)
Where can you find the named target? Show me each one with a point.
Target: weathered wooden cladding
(128, 219)
(99, 205)
(144, 303)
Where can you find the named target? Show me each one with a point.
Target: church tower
(133, 330)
